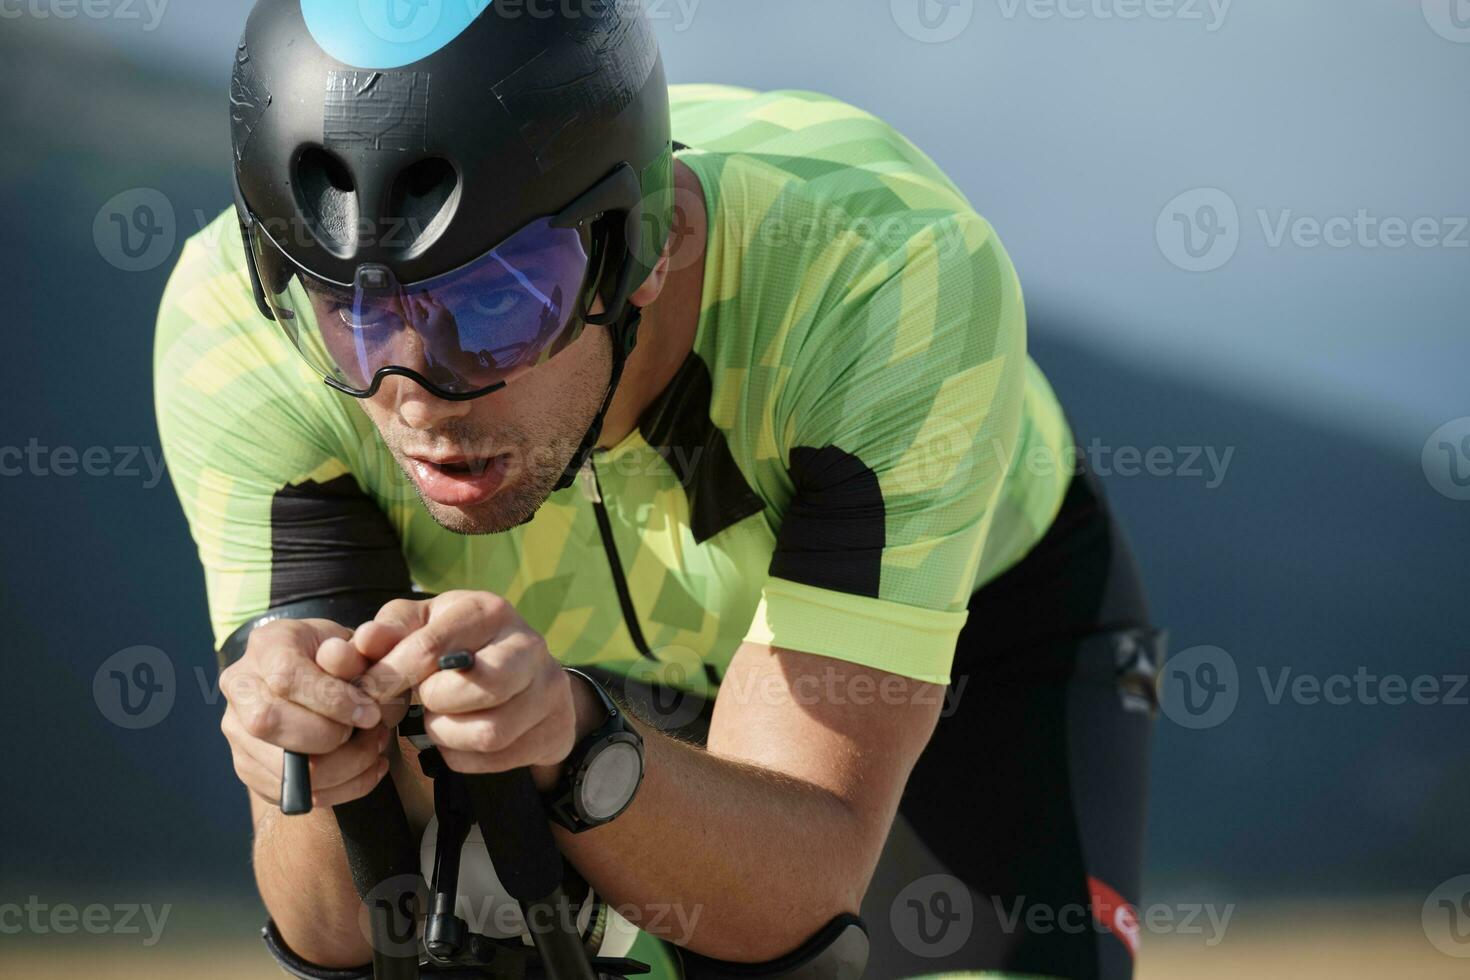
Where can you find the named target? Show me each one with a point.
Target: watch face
(610, 781)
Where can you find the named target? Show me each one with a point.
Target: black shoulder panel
(833, 534)
(678, 426)
(329, 539)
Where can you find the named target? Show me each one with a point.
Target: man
(727, 393)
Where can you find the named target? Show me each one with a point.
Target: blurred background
(1242, 230)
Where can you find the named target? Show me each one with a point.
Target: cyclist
(718, 390)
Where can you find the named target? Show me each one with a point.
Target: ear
(653, 286)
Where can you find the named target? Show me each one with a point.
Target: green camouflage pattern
(852, 298)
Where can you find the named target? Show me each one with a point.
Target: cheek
(560, 385)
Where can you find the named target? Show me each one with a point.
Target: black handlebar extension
(383, 859)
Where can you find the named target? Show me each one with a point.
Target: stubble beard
(534, 480)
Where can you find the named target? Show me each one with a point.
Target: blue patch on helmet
(383, 34)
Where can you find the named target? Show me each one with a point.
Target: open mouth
(464, 467)
(460, 481)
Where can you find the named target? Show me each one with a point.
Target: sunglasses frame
(618, 193)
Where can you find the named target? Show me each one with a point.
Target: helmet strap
(624, 338)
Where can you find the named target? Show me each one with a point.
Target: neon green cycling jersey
(833, 470)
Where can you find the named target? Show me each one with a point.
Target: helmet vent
(327, 198)
(423, 198)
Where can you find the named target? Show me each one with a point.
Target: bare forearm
(732, 860)
(304, 882)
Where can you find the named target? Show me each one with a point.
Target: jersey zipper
(592, 490)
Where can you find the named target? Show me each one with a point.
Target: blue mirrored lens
(475, 328)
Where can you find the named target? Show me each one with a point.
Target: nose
(417, 407)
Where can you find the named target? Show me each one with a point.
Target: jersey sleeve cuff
(878, 633)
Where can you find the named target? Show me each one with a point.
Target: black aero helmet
(449, 197)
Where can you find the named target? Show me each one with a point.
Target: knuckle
(396, 609)
(259, 719)
(278, 683)
(485, 736)
(491, 604)
(277, 631)
(434, 697)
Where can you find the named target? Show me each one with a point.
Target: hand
(515, 707)
(279, 697)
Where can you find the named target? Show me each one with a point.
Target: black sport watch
(602, 775)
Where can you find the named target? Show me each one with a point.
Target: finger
(285, 669)
(409, 614)
(260, 779)
(463, 621)
(355, 789)
(333, 768)
(501, 673)
(340, 658)
(289, 726)
(376, 638)
(488, 731)
(546, 743)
